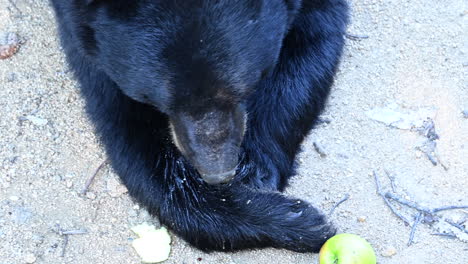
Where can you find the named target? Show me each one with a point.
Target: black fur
(135, 61)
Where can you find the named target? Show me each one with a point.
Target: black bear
(202, 106)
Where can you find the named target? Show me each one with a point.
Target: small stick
(392, 180)
(446, 168)
(435, 210)
(91, 179)
(443, 165)
(319, 149)
(15, 7)
(449, 235)
(457, 226)
(422, 211)
(356, 37)
(421, 208)
(321, 120)
(64, 248)
(408, 203)
(74, 232)
(344, 199)
(392, 208)
(431, 158)
(413, 229)
(65, 235)
(377, 183)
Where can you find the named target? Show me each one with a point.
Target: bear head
(197, 61)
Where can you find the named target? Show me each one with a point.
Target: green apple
(347, 249)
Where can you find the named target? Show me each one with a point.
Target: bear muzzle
(210, 142)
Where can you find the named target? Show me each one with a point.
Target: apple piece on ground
(153, 245)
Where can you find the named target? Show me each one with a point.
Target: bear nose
(219, 178)
(210, 142)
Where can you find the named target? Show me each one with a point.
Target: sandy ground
(415, 56)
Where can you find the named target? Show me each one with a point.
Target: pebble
(388, 252)
(9, 44)
(361, 219)
(11, 77)
(14, 198)
(21, 215)
(69, 184)
(465, 113)
(115, 188)
(91, 195)
(37, 239)
(36, 120)
(30, 258)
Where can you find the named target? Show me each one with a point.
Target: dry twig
(392, 208)
(413, 228)
(91, 179)
(423, 212)
(356, 37)
(318, 147)
(13, 4)
(73, 232)
(392, 180)
(408, 203)
(344, 199)
(448, 235)
(457, 226)
(64, 248)
(65, 234)
(451, 207)
(323, 120)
